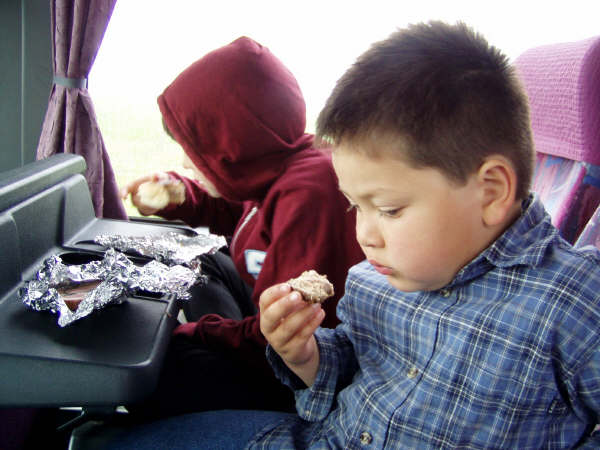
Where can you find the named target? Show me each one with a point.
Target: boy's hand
(288, 323)
(136, 199)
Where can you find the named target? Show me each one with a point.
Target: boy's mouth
(384, 270)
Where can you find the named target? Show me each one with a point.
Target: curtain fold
(70, 125)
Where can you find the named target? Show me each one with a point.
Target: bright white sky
(148, 42)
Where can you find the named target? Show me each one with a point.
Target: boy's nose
(367, 233)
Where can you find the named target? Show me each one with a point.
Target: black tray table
(109, 358)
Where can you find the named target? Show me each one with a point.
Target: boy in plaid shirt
(472, 323)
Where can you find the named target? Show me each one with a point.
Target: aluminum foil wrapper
(118, 278)
(170, 248)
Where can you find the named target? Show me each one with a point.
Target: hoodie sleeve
(309, 230)
(200, 209)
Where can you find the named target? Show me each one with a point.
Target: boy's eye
(394, 212)
(351, 207)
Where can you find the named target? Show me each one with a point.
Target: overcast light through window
(149, 42)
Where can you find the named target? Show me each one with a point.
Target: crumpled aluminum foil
(119, 277)
(170, 248)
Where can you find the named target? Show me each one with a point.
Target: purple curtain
(70, 124)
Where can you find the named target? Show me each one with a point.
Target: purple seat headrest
(562, 82)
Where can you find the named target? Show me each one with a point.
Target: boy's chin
(402, 284)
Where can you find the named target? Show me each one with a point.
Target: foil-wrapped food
(170, 248)
(75, 291)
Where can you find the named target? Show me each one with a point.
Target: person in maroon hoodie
(240, 117)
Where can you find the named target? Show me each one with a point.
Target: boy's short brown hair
(452, 97)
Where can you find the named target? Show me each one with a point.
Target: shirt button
(445, 293)
(412, 372)
(365, 438)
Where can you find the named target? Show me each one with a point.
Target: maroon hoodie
(239, 115)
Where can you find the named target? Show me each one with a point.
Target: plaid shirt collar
(520, 244)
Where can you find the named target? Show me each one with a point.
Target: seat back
(591, 233)
(562, 82)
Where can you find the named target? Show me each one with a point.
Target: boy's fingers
(274, 314)
(300, 323)
(314, 323)
(132, 186)
(272, 294)
(160, 176)
(293, 332)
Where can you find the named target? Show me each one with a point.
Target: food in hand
(315, 288)
(176, 191)
(158, 194)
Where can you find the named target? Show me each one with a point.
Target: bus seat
(562, 82)
(591, 233)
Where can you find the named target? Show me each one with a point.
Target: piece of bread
(153, 194)
(158, 194)
(315, 288)
(176, 191)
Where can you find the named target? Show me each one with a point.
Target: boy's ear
(498, 181)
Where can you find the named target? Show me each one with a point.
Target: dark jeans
(215, 430)
(195, 378)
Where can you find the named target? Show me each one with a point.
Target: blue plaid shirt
(506, 356)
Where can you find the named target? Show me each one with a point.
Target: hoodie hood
(238, 113)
